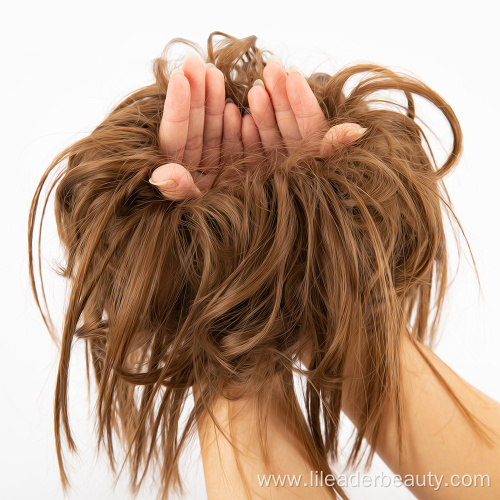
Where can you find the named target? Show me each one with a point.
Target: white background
(65, 64)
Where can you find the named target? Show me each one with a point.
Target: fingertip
(212, 68)
(346, 132)
(214, 77)
(257, 88)
(294, 69)
(194, 66)
(178, 76)
(249, 122)
(295, 85)
(294, 77)
(215, 93)
(174, 182)
(354, 133)
(248, 127)
(165, 174)
(166, 184)
(178, 87)
(232, 115)
(250, 134)
(338, 135)
(259, 102)
(273, 71)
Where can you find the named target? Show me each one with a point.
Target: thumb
(337, 136)
(174, 182)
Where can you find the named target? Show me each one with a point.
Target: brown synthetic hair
(230, 289)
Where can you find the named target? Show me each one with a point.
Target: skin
(286, 454)
(438, 440)
(198, 126)
(436, 436)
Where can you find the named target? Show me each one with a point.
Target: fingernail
(177, 71)
(210, 65)
(355, 132)
(294, 68)
(259, 82)
(169, 183)
(189, 54)
(274, 59)
(229, 100)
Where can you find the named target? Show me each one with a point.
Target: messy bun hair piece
(225, 292)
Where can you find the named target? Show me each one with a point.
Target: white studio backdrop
(66, 64)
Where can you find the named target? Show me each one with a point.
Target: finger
(263, 114)
(174, 123)
(204, 181)
(194, 69)
(252, 146)
(250, 135)
(214, 116)
(339, 135)
(232, 145)
(310, 117)
(275, 80)
(174, 182)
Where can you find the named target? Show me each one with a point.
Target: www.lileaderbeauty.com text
(319, 479)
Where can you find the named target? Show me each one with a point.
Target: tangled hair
(228, 290)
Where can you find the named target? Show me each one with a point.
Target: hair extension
(227, 291)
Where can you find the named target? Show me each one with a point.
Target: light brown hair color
(227, 291)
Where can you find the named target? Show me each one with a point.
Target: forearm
(286, 453)
(436, 436)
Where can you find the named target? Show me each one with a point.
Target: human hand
(198, 125)
(197, 128)
(290, 111)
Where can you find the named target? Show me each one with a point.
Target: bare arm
(287, 456)
(436, 436)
